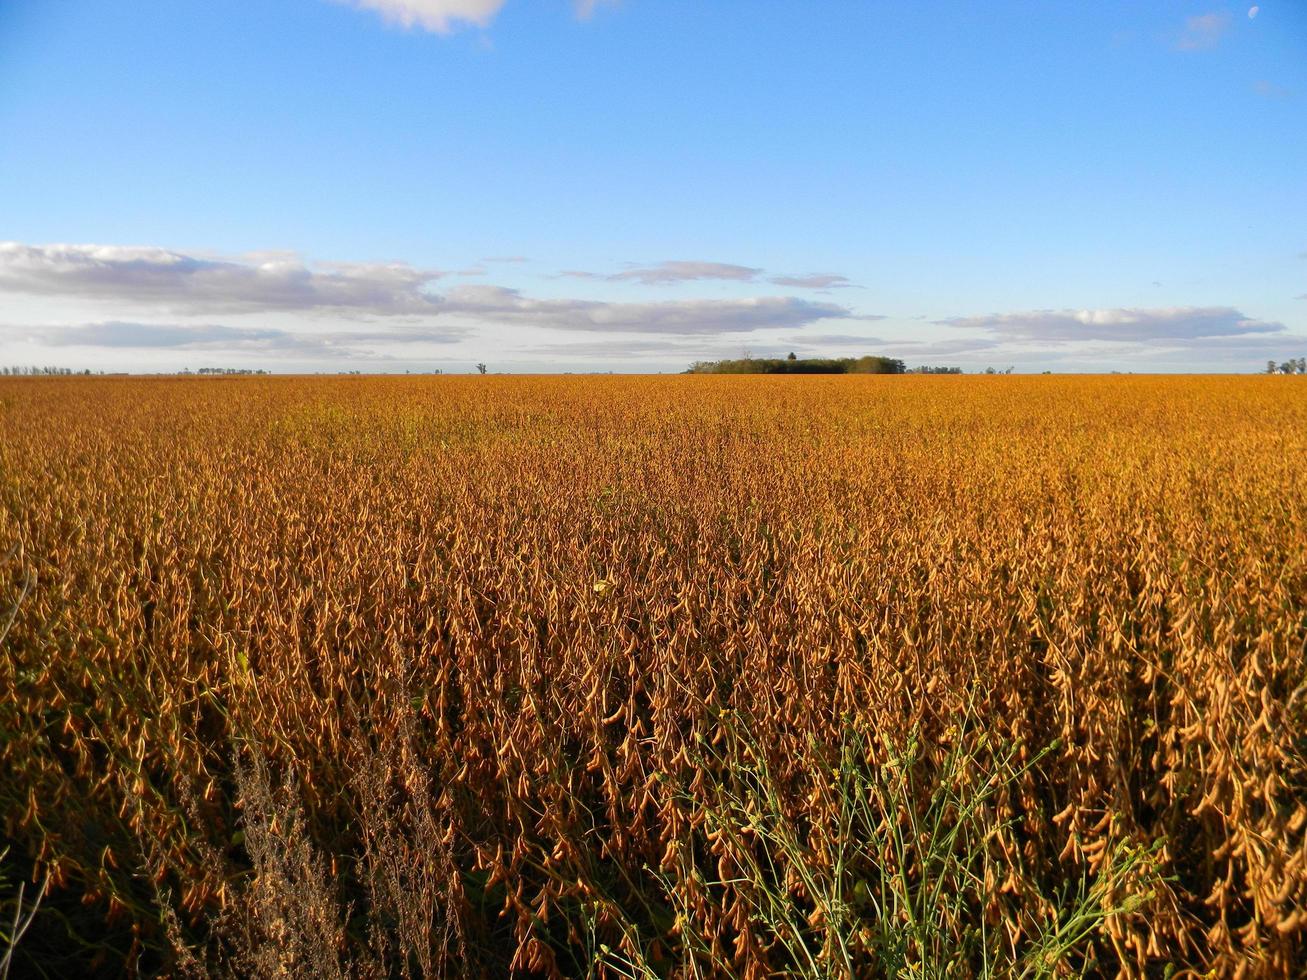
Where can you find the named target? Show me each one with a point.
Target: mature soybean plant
(698, 676)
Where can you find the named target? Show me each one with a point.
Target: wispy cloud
(689, 348)
(186, 283)
(585, 9)
(840, 340)
(688, 317)
(667, 273)
(126, 335)
(844, 343)
(445, 16)
(683, 270)
(814, 280)
(1203, 31)
(1128, 325)
(942, 348)
(120, 334)
(1269, 90)
(1244, 352)
(437, 16)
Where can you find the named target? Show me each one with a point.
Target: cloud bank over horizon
(275, 304)
(175, 282)
(150, 298)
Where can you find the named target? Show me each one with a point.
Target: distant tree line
(33, 371)
(63, 371)
(801, 365)
(1291, 366)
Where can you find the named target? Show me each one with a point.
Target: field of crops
(655, 677)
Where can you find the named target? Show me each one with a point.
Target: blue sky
(636, 184)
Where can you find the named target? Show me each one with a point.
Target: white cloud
(1129, 325)
(1203, 31)
(438, 16)
(185, 283)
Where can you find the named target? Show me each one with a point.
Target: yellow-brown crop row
(664, 676)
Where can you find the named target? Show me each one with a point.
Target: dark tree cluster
(792, 364)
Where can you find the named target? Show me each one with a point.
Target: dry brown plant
(561, 676)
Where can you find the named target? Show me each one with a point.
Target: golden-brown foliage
(411, 676)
